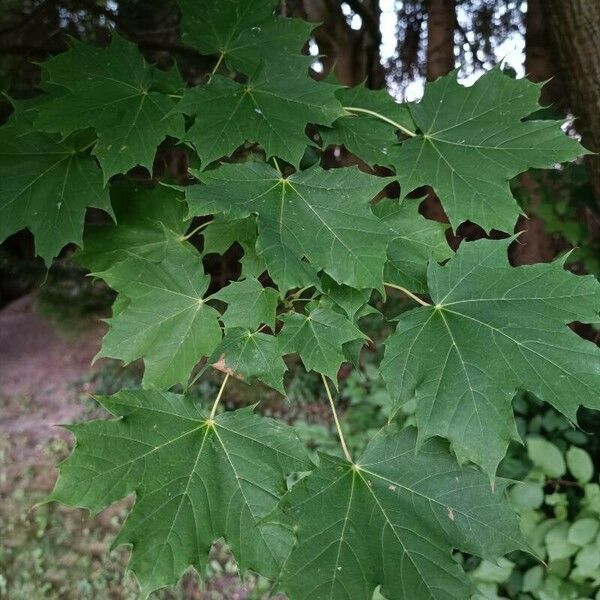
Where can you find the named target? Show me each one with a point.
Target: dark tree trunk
(441, 22)
(353, 54)
(574, 26)
(540, 58)
(534, 243)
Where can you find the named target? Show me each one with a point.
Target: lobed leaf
(245, 33)
(416, 240)
(166, 320)
(473, 140)
(392, 520)
(321, 215)
(142, 217)
(272, 109)
(318, 338)
(46, 185)
(492, 330)
(251, 355)
(249, 304)
(114, 91)
(195, 480)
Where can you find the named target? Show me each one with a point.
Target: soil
(42, 372)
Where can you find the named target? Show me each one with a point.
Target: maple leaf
(250, 304)
(493, 329)
(142, 216)
(252, 354)
(318, 338)
(244, 33)
(46, 185)
(475, 139)
(195, 480)
(416, 241)
(166, 320)
(321, 215)
(393, 520)
(272, 109)
(117, 93)
(349, 299)
(363, 130)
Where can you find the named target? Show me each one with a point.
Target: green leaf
(588, 562)
(250, 304)
(349, 299)
(117, 93)
(195, 481)
(474, 140)
(393, 520)
(583, 531)
(533, 578)
(271, 109)
(321, 215)
(526, 495)
(166, 322)
(416, 241)
(557, 544)
(580, 464)
(488, 572)
(252, 354)
(318, 338)
(547, 457)
(244, 33)
(367, 136)
(491, 330)
(46, 185)
(142, 216)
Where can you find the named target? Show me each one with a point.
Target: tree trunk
(540, 58)
(575, 29)
(441, 21)
(534, 244)
(352, 54)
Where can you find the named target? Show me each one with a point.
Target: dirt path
(41, 371)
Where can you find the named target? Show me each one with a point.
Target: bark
(534, 243)
(441, 21)
(353, 55)
(574, 26)
(540, 58)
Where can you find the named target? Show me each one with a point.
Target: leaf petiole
(337, 421)
(407, 292)
(217, 65)
(194, 231)
(213, 410)
(377, 115)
